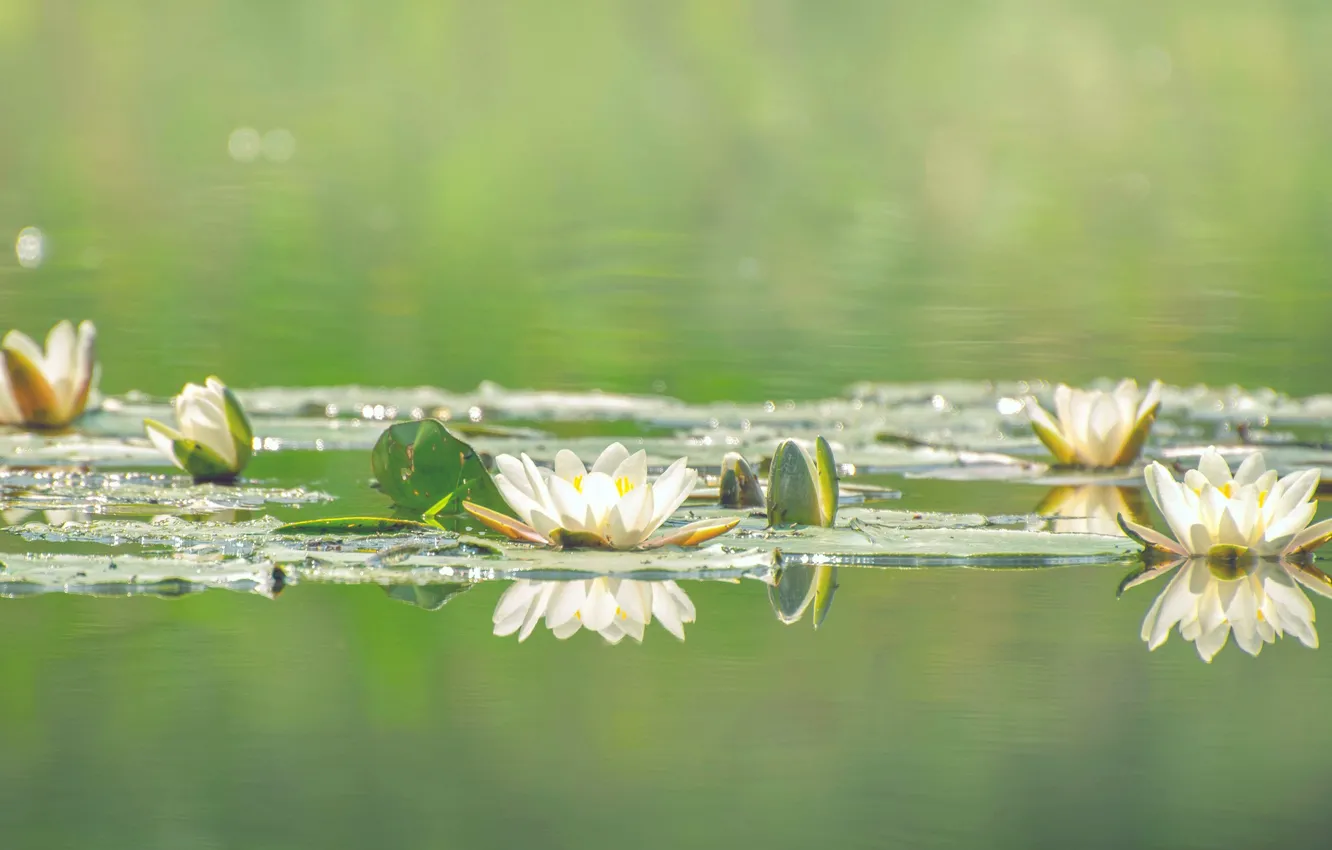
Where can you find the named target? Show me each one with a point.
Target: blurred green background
(713, 199)
(727, 199)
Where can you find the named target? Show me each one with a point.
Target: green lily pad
(421, 465)
(355, 525)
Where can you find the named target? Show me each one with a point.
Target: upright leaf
(419, 463)
(827, 472)
(793, 497)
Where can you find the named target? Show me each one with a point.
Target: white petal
(1199, 540)
(1213, 504)
(1251, 470)
(1168, 495)
(613, 633)
(1281, 532)
(683, 604)
(512, 468)
(630, 518)
(1296, 489)
(1177, 602)
(537, 481)
(61, 352)
(1310, 534)
(516, 599)
(9, 411)
(1195, 480)
(570, 504)
(1265, 481)
(671, 490)
(544, 523)
(1209, 644)
(598, 610)
(633, 468)
(631, 627)
(1080, 412)
(667, 612)
(162, 442)
(601, 495)
(516, 496)
(567, 629)
(1063, 405)
(610, 459)
(537, 608)
(1151, 399)
(1214, 466)
(23, 344)
(568, 466)
(1210, 612)
(565, 602)
(1149, 621)
(202, 420)
(635, 600)
(1106, 430)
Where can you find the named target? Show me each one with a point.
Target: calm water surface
(1011, 708)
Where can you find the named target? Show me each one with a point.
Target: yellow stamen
(623, 485)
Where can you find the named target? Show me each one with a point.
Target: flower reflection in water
(1256, 600)
(613, 607)
(1092, 508)
(55, 518)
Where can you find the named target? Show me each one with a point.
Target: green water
(717, 200)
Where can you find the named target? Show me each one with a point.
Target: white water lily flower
(1090, 508)
(610, 507)
(613, 607)
(1256, 604)
(1214, 513)
(47, 389)
(1094, 427)
(214, 440)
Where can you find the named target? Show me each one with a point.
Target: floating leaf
(138, 492)
(421, 465)
(355, 525)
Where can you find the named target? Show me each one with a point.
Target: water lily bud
(47, 389)
(214, 440)
(739, 485)
(802, 490)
